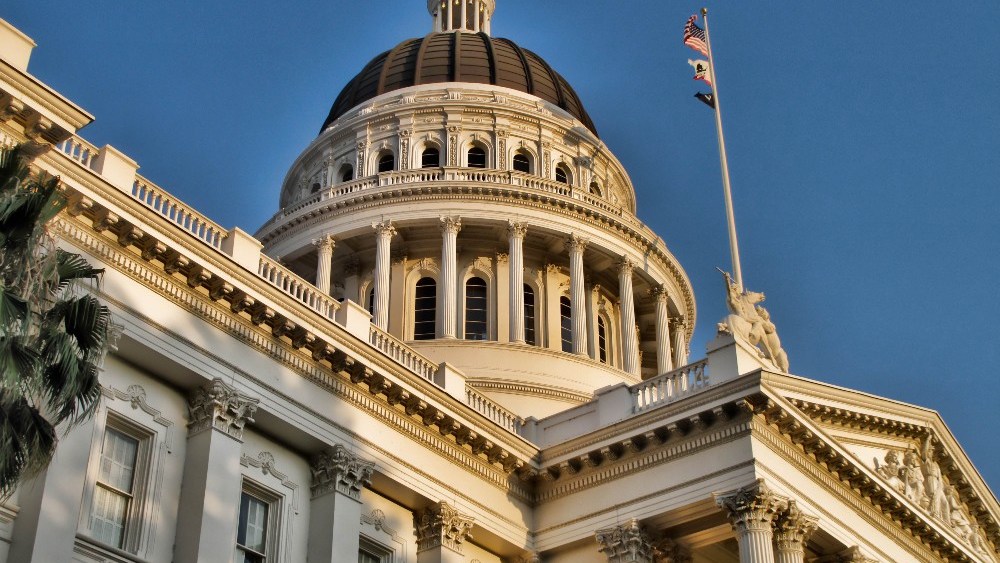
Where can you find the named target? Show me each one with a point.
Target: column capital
(502, 257)
(792, 528)
(659, 293)
(451, 225)
(221, 407)
(340, 470)
(441, 525)
(384, 228)
(625, 266)
(752, 508)
(576, 243)
(678, 322)
(516, 230)
(325, 242)
(626, 543)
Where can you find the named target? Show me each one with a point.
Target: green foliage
(52, 337)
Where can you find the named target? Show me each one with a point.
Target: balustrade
(670, 386)
(177, 212)
(401, 353)
(291, 284)
(79, 150)
(493, 411)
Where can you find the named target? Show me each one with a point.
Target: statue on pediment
(913, 478)
(937, 502)
(751, 323)
(891, 471)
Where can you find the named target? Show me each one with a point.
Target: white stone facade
(259, 410)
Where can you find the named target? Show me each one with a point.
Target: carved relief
(502, 149)
(340, 470)
(918, 477)
(626, 543)
(221, 407)
(442, 525)
(404, 149)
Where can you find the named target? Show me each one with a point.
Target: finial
(470, 16)
(704, 12)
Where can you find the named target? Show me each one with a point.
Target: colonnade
(670, 331)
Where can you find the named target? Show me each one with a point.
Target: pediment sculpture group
(918, 477)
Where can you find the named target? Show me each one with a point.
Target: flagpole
(734, 248)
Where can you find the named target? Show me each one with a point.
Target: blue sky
(863, 139)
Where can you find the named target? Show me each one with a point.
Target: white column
(664, 360)
(791, 532)
(210, 497)
(449, 272)
(680, 347)
(335, 508)
(324, 254)
(578, 300)
(465, 20)
(384, 232)
(752, 511)
(441, 531)
(630, 348)
(515, 237)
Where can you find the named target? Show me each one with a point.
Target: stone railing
(670, 386)
(79, 150)
(449, 175)
(402, 354)
(493, 411)
(301, 290)
(178, 212)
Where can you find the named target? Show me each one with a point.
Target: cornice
(533, 390)
(51, 101)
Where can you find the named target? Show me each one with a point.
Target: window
(368, 557)
(476, 326)
(595, 189)
(430, 158)
(529, 315)
(562, 174)
(254, 543)
(114, 497)
(602, 340)
(346, 173)
(566, 323)
(315, 188)
(477, 158)
(371, 301)
(386, 163)
(521, 162)
(425, 309)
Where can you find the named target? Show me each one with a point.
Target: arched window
(476, 312)
(371, 301)
(602, 340)
(595, 189)
(430, 158)
(386, 162)
(566, 323)
(522, 162)
(425, 309)
(346, 173)
(562, 174)
(315, 188)
(529, 315)
(477, 157)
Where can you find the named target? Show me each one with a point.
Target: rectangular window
(113, 494)
(367, 557)
(256, 540)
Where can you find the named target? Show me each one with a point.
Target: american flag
(694, 36)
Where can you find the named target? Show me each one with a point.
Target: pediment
(902, 458)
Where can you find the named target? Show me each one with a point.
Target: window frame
(530, 326)
(382, 156)
(527, 158)
(566, 323)
(566, 172)
(423, 154)
(272, 527)
(479, 149)
(345, 169)
(485, 286)
(433, 296)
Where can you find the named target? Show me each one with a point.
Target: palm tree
(53, 333)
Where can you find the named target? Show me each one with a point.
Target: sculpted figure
(933, 484)
(891, 470)
(956, 516)
(751, 323)
(913, 478)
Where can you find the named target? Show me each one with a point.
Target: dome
(459, 57)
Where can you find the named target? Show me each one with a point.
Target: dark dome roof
(459, 57)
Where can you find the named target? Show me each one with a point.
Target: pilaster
(212, 481)
(752, 511)
(626, 543)
(441, 530)
(335, 508)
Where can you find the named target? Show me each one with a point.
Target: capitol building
(453, 341)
